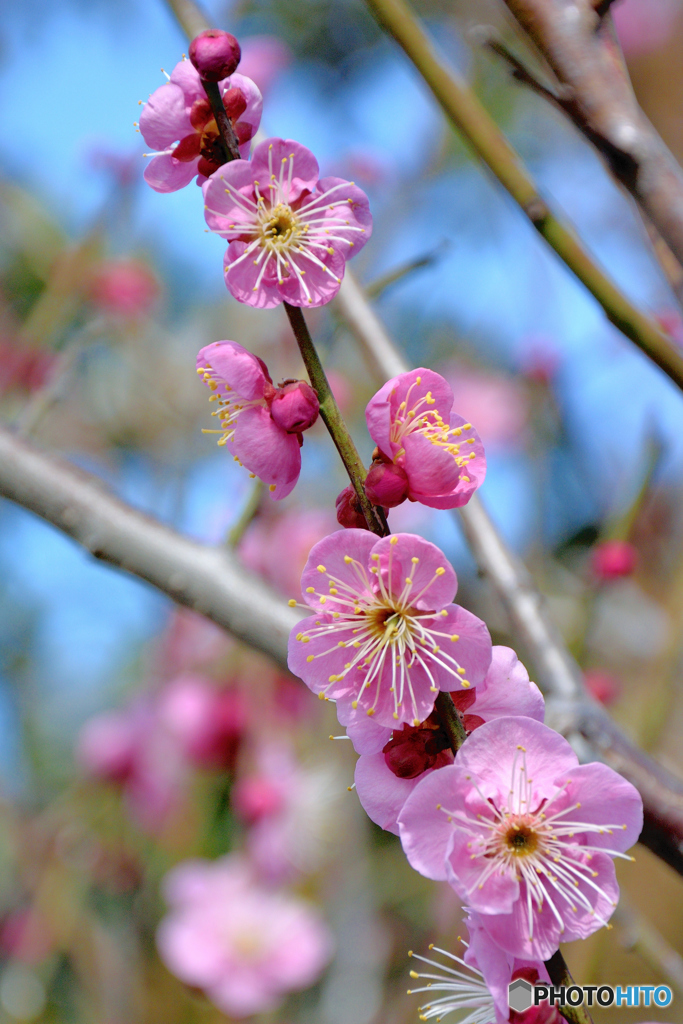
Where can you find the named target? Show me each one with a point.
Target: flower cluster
(524, 834)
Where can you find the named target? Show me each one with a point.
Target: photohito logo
(522, 995)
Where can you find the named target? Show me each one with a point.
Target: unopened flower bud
(215, 54)
(349, 512)
(411, 752)
(613, 558)
(386, 484)
(295, 406)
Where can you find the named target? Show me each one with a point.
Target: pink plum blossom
(245, 945)
(243, 390)
(392, 763)
(524, 834)
(385, 636)
(411, 421)
(478, 981)
(289, 233)
(178, 122)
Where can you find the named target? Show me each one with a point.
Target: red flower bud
(294, 406)
(349, 514)
(613, 558)
(411, 752)
(386, 484)
(215, 54)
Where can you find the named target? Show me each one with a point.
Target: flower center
(521, 839)
(280, 227)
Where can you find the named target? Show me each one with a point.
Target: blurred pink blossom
(124, 288)
(208, 722)
(612, 559)
(644, 25)
(277, 548)
(245, 945)
(264, 58)
(601, 685)
(22, 367)
(498, 405)
(25, 936)
(288, 810)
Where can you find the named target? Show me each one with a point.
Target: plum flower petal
(379, 640)
(478, 981)
(178, 122)
(244, 944)
(383, 787)
(241, 386)
(289, 233)
(526, 835)
(411, 420)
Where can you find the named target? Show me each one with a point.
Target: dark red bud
(215, 54)
(295, 407)
(411, 752)
(349, 513)
(200, 114)
(386, 484)
(243, 132)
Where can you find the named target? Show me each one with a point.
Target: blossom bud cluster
(525, 835)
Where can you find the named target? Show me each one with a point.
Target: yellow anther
(440, 571)
(348, 559)
(370, 712)
(408, 580)
(310, 657)
(460, 671)
(292, 602)
(454, 637)
(272, 487)
(354, 704)
(310, 590)
(321, 696)
(393, 540)
(321, 568)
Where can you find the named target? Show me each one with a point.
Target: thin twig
(42, 401)
(229, 141)
(641, 937)
(333, 420)
(471, 119)
(450, 720)
(247, 515)
(558, 972)
(585, 56)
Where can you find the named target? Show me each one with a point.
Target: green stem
(558, 972)
(471, 119)
(333, 420)
(247, 514)
(450, 720)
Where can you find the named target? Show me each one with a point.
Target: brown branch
(209, 580)
(577, 42)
